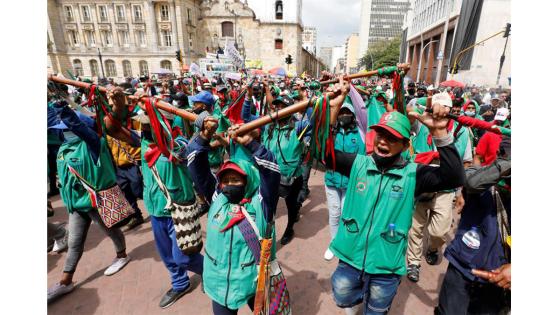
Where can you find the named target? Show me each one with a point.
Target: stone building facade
(137, 37)
(133, 37)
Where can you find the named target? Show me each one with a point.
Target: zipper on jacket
(229, 265)
(247, 264)
(371, 223)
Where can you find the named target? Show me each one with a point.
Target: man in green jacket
(348, 140)
(372, 238)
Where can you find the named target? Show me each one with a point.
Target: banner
(233, 54)
(195, 69)
(233, 76)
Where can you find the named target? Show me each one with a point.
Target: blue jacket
(480, 211)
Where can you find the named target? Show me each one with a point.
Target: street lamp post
(421, 57)
(101, 62)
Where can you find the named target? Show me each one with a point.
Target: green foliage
(382, 54)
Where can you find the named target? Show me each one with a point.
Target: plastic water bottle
(472, 238)
(392, 230)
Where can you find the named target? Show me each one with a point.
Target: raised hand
(209, 127)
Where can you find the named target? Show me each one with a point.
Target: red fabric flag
(233, 113)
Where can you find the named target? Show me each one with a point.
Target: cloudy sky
(335, 20)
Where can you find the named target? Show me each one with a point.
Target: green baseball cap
(395, 123)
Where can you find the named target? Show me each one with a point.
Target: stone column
(151, 26)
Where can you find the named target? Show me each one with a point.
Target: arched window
(94, 68)
(127, 68)
(111, 68)
(77, 65)
(227, 29)
(165, 64)
(279, 9)
(143, 67)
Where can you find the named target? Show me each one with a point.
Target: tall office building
(325, 54)
(381, 20)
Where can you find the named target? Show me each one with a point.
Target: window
(90, 38)
(143, 67)
(190, 40)
(111, 68)
(189, 16)
(141, 38)
(278, 44)
(77, 65)
(227, 29)
(127, 68)
(124, 38)
(137, 9)
(107, 38)
(165, 64)
(121, 16)
(279, 9)
(166, 38)
(103, 15)
(86, 14)
(94, 68)
(68, 13)
(164, 12)
(73, 38)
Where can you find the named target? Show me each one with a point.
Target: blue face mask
(470, 114)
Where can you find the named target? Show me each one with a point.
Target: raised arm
(77, 126)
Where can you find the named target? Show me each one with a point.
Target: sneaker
(61, 244)
(413, 273)
(134, 223)
(171, 296)
(117, 265)
(432, 257)
(58, 290)
(328, 254)
(287, 237)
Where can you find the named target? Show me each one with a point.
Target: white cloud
(335, 20)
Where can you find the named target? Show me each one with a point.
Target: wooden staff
(402, 66)
(284, 112)
(159, 103)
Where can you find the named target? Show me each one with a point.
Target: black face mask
(233, 193)
(384, 162)
(199, 110)
(411, 92)
(421, 94)
(345, 121)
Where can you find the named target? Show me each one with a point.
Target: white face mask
(175, 103)
(470, 113)
(69, 135)
(159, 90)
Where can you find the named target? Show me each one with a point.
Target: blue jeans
(173, 258)
(351, 287)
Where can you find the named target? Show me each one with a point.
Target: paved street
(138, 288)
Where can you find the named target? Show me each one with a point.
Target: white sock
(352, 310)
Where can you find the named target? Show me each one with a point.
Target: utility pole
(443, 41)
(503, 57)
(101, 62)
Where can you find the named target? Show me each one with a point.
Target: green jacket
(100, 174)
(375, 110)
(348, 142)
(175, 177)
(230, 271)
(374, 200)
(284, 143)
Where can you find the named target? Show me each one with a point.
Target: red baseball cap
(229, 165)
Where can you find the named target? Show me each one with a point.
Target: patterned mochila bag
(185, 220)
(111, 203)
(272, 297)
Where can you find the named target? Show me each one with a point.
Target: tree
(381, 54)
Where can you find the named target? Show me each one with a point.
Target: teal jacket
(377, 198)
(348, 141)
(230, 268)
